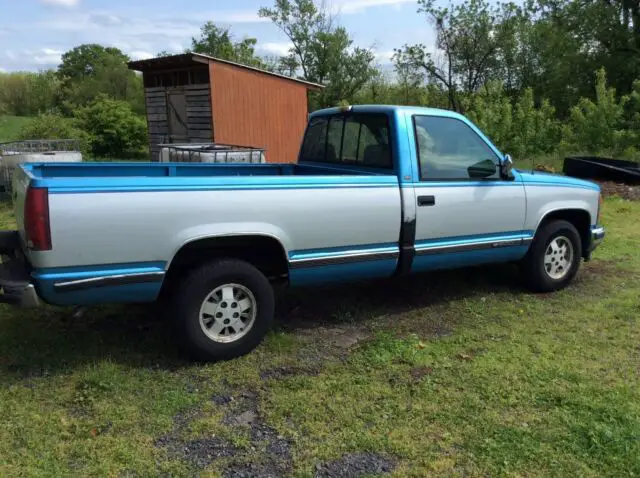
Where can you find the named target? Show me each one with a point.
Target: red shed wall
(254, 109)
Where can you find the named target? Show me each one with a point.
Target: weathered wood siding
(253, 109)
(198, 115)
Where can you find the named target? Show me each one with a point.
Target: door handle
(426, 201)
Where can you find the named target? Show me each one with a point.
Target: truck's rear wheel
(554, 257)
(222, 309)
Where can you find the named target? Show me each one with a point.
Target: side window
(359, 139)
(334, 141)
(373, 142)
(315, 141)
(448, 148)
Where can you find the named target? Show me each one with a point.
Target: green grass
(10, 127)
(456, 373)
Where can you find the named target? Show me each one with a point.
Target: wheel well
(581, 220)
(263, 252)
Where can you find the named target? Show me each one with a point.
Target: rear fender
(219, 230)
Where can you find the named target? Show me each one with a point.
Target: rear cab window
(358, 139)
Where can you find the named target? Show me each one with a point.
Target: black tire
(189, 294)
(533, 267)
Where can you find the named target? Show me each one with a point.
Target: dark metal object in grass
(593, 167)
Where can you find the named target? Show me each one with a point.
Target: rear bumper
(16, 287)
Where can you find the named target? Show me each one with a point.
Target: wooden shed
(195, 98)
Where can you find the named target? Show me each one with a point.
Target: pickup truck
(378, 191)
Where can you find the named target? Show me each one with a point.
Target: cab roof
(388, 109)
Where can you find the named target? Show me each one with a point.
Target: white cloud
(141, 55)
(61, 3)
(357, 6)
(46, 57)
(3, 70)
(275, 48)
(384, 56)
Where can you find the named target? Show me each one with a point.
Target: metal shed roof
(192, 59)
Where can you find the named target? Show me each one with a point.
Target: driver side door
(465, 214)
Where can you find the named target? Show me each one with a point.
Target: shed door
(177, 112)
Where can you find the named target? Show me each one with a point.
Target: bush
(113, 129)
(599, 127)
(54, 127)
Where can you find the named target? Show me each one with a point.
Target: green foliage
(47, 126)
(28, 94)
(599, 126)
(469, 39)
(52, 126)
(218, 42)
(113, 129)
(88, 71)
(85, 60)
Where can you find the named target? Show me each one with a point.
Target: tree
(322, 52)
(90, 70)
(28, 94)
(469, 36)
(218, 42)
(85, 60)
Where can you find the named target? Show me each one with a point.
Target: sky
(35, 33)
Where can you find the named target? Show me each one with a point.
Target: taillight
(36, 219)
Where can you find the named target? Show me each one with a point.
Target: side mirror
(482, 169)
(506, 167)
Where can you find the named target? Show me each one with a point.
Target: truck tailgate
(20, 185)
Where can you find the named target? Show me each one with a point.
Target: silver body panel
(467, 210)
(542, 200)
(134, 227)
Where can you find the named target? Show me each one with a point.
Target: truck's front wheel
(222, 309)
(554, 257)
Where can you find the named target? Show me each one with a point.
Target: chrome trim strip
(114, 280)
(348, 258)
(474, 246)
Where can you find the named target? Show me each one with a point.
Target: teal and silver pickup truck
(378, 191)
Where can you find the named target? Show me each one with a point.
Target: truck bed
(156, 208)
(96, 176)
(89, 171)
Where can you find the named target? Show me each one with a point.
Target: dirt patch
(252, 470)
(198, 453)
(611, 188)
(282, 372)
(269, 454)
(354, 465)
(417, 373)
